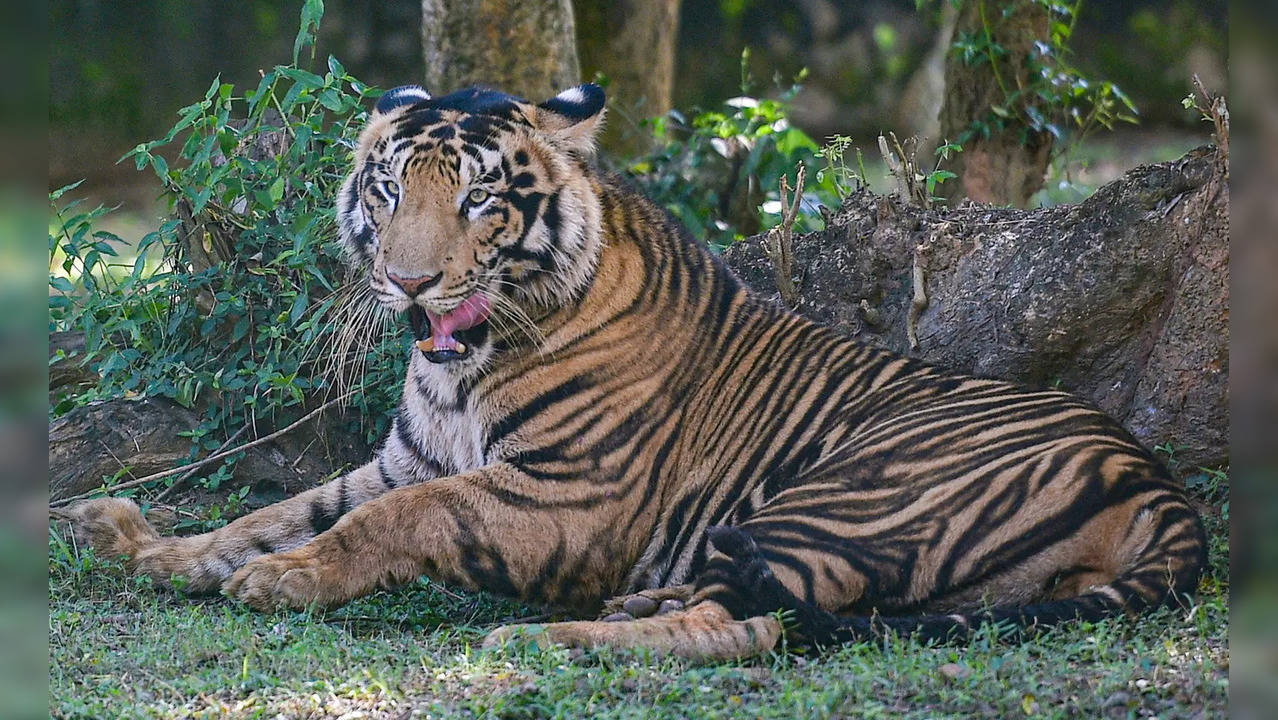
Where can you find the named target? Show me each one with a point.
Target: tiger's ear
(573, 117)
(400, 96)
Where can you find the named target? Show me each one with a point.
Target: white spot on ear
(572, 95)
(400, 96)
(414, 92)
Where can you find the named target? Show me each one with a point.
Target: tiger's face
(467, 205)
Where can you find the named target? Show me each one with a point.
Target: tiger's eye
(477, 196)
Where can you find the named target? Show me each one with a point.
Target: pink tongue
(470, 313)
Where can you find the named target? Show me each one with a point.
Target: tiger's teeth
(461, 348)
(426, 345)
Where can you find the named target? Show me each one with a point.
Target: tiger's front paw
(292, 579)
(113, 527)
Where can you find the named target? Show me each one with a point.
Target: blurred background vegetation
(120, 71)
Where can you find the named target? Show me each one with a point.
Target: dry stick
(445, 591)
(1218, 111)
(903, 167)
(528, 619)
(779, 243)
(918, 303)
(211, 458)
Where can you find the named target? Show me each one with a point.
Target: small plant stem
(1073, 18)
(989, 41)
(276, 101)
(779, 244)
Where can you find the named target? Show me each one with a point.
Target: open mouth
(453, 335)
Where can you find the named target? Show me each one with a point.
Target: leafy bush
(237, 305)
(1057, 96)
(719, 172)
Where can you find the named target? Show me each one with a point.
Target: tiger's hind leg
(843, 570)
(715, 622)
(727, 613)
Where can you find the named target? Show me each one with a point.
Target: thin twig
(212, 458)
(298, 459)
(440, 587)
(902, 165)
(528, 619)
(116, 458)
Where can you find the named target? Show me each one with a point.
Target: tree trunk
(1123, 298)
(1007, 166)
(632, 44)
(918, 112)
(523, 47)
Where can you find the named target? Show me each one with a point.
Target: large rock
(1123, 298)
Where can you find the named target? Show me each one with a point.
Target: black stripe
(321, 519)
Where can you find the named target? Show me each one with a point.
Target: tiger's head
(473, 206)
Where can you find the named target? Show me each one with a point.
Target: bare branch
(779, 243)
(1216, 109)
(903, 166)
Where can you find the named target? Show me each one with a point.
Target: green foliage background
(246, 340)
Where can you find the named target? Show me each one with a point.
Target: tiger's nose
(413, 286)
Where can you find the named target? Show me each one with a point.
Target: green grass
(120, 648)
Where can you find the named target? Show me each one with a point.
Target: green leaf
(336, 67)
(308, 80)
(331, 100)
(160, 165)
(276, 191)
(794, 139)
(65, 189)
(201, 198)
(312, 11)
(299, 307)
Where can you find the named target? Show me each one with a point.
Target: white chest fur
(436, 430)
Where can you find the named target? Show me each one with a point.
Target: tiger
(599, 418)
